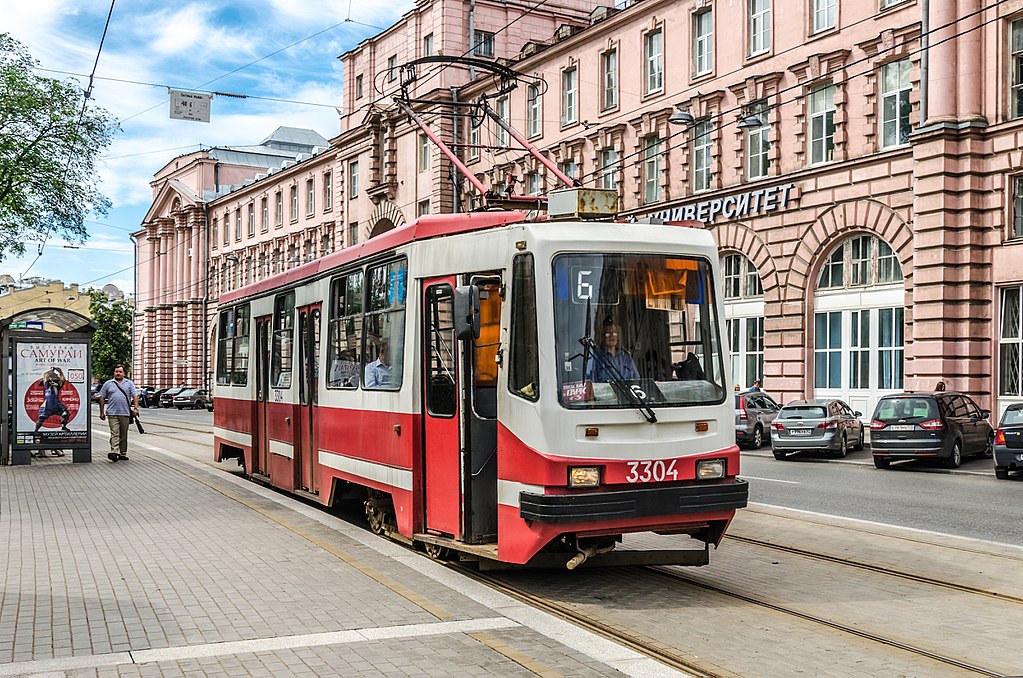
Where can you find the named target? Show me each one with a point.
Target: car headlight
(709, 469)
(583, 476)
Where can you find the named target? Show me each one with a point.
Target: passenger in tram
(609, 356)
(378, 372)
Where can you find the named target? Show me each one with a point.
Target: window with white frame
(895, 87)
(1017, 208)
(1016, 64)
(353, 179)
(703, 42)
(484, 44)
(609, 79)
(533, 186)
(534, 111)
(890, 348)
(833, 271)
(702, 157)
(822, 124)
(759, 26)
(569, 95)
(732, 277)
(428, 44)
(424, 153)
(392, 68)
(827, 351)
(500, 133)
(238, 224)
(754, 348)
(294, 203)
(358, 87)
(888, 267)
(227, 228)
(885, 4)
(213, 230)
(423, 207)
(823, 13)
(608, 168)
(310, 197)
(353, 233)
(651, 169)
(754, 287)
(474, 142)
(741, 279)
(860, 261)
(264, 215)
(859, 349)
(1010, 342)
(569, 168)
(279, 208)
(653, 57)
(328, 191)
(758, 163)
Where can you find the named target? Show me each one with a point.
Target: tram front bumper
(704, 497)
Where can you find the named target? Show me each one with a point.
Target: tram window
(384, 328)
(344, 357)
(440, 346)
(524, 371)
(283, 342)
(233, 346)
(484, 383)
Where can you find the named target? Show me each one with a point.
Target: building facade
(857, 162)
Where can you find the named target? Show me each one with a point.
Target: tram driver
(378, 372)
(610, 362)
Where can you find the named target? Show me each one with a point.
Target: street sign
(189, 106)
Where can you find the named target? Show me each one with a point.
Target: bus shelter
(44, 380)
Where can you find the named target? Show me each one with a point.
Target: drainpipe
(924, 48)
(472, 37)
(205, 300)
(454, 135)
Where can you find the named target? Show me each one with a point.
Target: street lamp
(682, 116)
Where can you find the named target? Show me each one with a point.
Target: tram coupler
(588, 552)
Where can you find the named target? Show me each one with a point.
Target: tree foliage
(111, 344)
(48, 149)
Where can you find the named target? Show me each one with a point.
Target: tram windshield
(636, 330)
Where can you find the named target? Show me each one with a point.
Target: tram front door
(261, 438)
(307, 463)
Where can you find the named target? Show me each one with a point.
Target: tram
(514, 392)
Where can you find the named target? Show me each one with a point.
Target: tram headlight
(583, 476)
(709, 469)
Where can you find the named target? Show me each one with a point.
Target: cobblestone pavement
(161, 566)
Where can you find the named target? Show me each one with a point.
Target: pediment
(163, 203)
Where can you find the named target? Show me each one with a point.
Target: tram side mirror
(467, 312)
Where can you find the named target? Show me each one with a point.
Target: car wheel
(882, 462)
(989, 448)
(178, 407)
(1001, 473)
(779, 455)
(859, 445)
(758, 438)
(843, 447)
(955, 459)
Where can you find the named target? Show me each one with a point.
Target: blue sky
(184, 45)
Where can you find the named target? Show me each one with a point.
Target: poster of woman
(51, 398)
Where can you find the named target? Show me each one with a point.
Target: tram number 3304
(647, 471)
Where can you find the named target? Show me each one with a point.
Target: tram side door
(442, 448)
(307, 464)
(261, 439)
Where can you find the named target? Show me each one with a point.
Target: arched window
(860, 261)
(744, 318)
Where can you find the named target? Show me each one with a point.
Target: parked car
(940, 425)
(1008, 449)
(146, 396)
(209, 403)
(754, 412)
(816, 425)
(167, 397)
(192, 398)
(94, 392)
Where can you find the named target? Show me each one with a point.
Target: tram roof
(424, 228)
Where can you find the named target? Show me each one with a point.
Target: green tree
(49, 142)
(111, 344)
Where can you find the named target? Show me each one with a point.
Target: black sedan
(1008, 451)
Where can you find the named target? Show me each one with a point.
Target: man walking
(124, 406)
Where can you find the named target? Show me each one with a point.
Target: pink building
(857, 162)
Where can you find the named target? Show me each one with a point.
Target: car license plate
(901, 427)
(799, 431)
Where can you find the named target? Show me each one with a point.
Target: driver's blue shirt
(600, 369)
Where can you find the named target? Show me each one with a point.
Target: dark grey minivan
(941, 425)
(1009, 442)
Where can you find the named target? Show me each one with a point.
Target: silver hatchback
(754, 412)
(816, 426)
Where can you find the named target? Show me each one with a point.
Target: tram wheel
(379, 513)
(436, 551)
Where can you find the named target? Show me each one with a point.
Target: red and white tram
(455, 373)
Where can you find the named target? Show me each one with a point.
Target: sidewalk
(162, 565)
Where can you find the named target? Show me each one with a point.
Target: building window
(609, 78)
(827, 352)
(213, 231)
(759, 26)
(823, 12)
(428, 44)
(732, 276)
(474, 142)
(264, 216)
(890, 348)
(609, 168)
(423, 207)
(569, 95)
(754, 349)
(741, 279)
(859, 260)
(868, 259)
(1016, 93)
(353, 179)
(392, 68)
(310, 197)
(895, 87)
(859, 349)
(353, 233)
(702, 157)
(568, 168)
(483, 44)
(754, 287)
(1010, 342)
(424, 153)
(294, 203)
(832, 273)
(703, 42)
(500, 133)
(653, 57)
(757, 145)
(533, 183)
(651, 170)
(279, 208)
(822, 124)
(238, 224)
(534, 111)
(888, 267)
(358, 87)
(227, 228)
(328, 191)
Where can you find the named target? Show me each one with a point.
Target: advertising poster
(51, 396)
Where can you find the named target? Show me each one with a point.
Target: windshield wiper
(616, 378)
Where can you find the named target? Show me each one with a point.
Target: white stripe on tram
(508, 491)
(371, 470)
(282, 448)
(233, 436)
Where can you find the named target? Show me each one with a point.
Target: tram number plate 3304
(652, 471)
